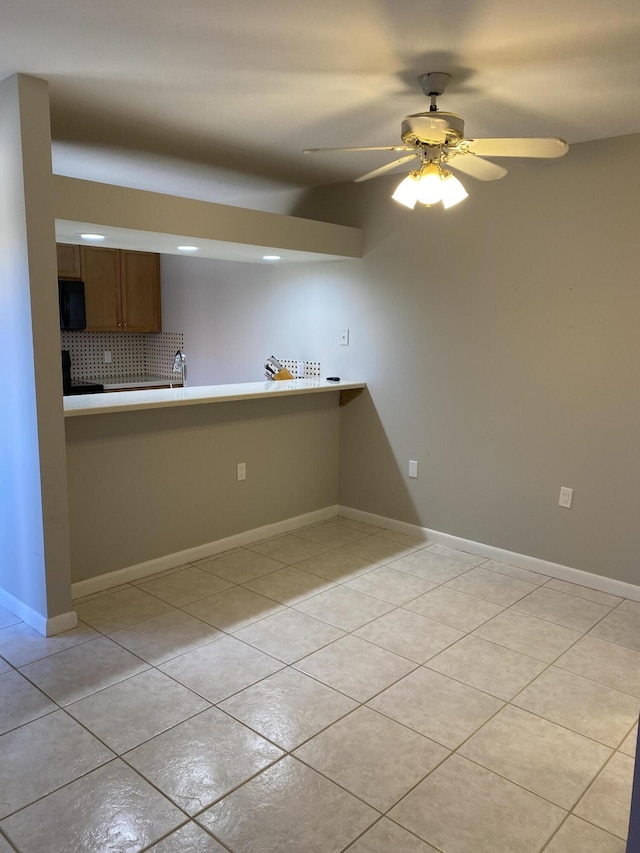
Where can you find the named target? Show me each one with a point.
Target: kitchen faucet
(180, 366)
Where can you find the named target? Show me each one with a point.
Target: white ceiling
(237, 88)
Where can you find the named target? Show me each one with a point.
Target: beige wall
(34, 544)
(146, 484)
(500, 341)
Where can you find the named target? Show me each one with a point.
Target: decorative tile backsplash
(301, 369)
(132, 354)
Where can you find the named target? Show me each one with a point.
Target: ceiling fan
(437, 140)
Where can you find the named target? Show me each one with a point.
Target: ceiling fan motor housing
(433, 128)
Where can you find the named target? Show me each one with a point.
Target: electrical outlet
(344, 338)
(566, 496)
(107, 356)
(413, 469)
(242, 471)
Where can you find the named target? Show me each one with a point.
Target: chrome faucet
(180, 366)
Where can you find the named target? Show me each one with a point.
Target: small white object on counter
(115, 401)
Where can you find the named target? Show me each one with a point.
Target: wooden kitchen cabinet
(68, 261)
(122, 290)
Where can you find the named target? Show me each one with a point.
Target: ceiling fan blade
(517, 147)
(369, 148)
(476, 167)
(387, 168)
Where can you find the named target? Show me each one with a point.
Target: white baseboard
(522, 561)
(200, 552)
(45, 625)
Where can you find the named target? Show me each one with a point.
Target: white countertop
(131, 401)
(137, 382)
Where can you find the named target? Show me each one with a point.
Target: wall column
(34, 527)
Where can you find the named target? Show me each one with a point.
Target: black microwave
(71, 301)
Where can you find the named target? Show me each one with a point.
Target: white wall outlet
(344, 338)
(413, 469)
(242, 471)
(107, 356)
(566, 496)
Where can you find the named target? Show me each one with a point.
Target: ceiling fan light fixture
(430, 185)
(453, 192)
(406, 192)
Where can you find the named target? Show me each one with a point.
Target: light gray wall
(34, 544)
(499, 340)
(146, 484)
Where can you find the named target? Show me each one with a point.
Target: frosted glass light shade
(452, 191)
(430, 186)
(406, 192)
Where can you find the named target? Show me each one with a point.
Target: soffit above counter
(156, 222)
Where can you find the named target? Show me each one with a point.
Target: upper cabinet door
(68, 261)
(140, 289)
(101, 273)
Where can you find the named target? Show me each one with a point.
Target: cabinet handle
(119, 324)
(125, 325)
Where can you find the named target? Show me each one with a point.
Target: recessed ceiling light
(187, 248)
(92, 236)
(271, 257)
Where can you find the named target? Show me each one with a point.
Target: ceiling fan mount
(437, 137)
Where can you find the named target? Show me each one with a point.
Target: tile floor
(340, 688)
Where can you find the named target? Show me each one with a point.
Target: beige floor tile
(233, 609)
(135, 710)
(585, 706)
(410, 635)
(631, 606)
(240, 566)
(455, 554)
(463, 808)
(184, 586)
(391, 585)
(387, 837)
(289, 585)
(454, 608)
(373, 757)
(202, 759)
(81, 670)
(567, 610)
(629, 744)
(355, 667)
(20, 644)
(288, 808)
(330, 534)
(528, 634)
(337, 565)
(610, 664)
(289, 635)
(583, 592)
(288, 707)
(545, 758)
(515, 572)
(362, 526)
(344, 608)
(619, 627)
(7, 618)
(164, 637)
(411, 540)
(20, 701)
(4, 666)
(492, 586)
(221, 668)
(487, 666)
(120, 609)
(288, 549)
(431, 566)
(607, 803)
(100, 593)
(188, 839)
(5, 847)
(436, 706)
(43, 755)
(112, 809)
(577, 836)
(378, 548)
